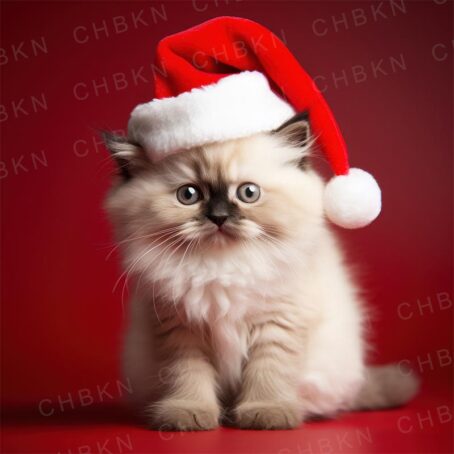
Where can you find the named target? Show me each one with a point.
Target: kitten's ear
(128, 156)
(297, 133)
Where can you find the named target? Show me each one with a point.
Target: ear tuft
(297, 133)
(128, 156)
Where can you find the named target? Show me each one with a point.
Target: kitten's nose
(218, 220)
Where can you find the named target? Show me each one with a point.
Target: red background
(61, 321)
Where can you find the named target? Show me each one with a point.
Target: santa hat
(229, 78)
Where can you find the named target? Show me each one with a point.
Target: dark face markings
(217, 206)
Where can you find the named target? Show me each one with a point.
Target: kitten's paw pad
(268, 415)
(187, 415)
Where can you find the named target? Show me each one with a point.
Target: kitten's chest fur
(223, 294)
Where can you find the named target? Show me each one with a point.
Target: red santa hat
(229, 78)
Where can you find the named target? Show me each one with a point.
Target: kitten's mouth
(223, 232)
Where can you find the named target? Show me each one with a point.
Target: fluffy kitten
(242, 306)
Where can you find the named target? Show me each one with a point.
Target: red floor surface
(424, 426)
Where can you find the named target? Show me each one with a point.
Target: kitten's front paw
(188, 415)
(268, 415)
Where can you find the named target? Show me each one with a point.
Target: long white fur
(231, 288)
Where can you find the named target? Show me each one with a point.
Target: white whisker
(150, 235)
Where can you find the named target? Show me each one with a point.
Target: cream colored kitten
(243, 310)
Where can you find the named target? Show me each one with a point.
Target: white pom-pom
(353, 200)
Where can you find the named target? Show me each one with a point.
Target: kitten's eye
(248, 192)
(188, 194)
